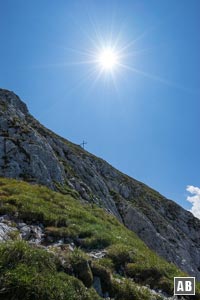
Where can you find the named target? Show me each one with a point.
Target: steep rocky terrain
(54, 247)
(30, 152)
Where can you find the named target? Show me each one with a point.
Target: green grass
(89, 227)
(30, 273)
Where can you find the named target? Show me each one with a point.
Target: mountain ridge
(30, 152)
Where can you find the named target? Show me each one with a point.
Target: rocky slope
(30, 152)
(75, 250)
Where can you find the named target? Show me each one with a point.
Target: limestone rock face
(5, 231)
(29, 151)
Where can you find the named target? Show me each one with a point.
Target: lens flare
(108, 59)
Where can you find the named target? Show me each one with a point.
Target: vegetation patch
(28, 272)
(128, 290)
(121, 254)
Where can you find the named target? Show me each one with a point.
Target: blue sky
(146, 121)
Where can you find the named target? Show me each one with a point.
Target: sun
(108, 59)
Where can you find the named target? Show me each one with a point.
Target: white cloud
(194, 199)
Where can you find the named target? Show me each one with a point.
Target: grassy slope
(28, 272)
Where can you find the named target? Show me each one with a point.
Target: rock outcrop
(30, 152)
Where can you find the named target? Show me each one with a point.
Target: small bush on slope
(30, 273)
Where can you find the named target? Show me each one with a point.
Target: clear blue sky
(147, 124)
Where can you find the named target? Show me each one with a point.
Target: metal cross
(83, 144)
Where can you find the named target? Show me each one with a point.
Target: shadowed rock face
(30, 152)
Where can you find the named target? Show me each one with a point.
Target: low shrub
(61, 232)
(121, 254)
(127, 290)
(155, 277)
(30, 273)
(81, 268)
(96, 242)
(105, 276)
